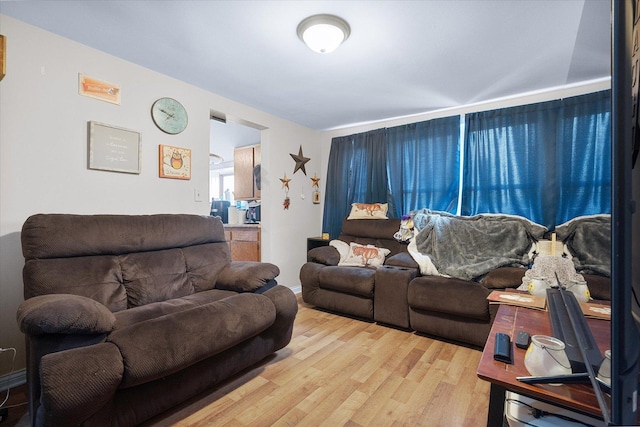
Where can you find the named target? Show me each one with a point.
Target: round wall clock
(169, 115)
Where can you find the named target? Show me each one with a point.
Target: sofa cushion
(449, 295)
(204, 263)
(376, 233)
(599, 286)
(351, 280)
(504, 277)
(161, 308)
(68, 235)
(159, 347)
(95, 277)
(154, 276)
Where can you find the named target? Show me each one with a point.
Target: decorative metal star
(300, 161)
(315, 180)
(285, 182)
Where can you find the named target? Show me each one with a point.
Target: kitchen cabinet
(244, 242)
(244, 160)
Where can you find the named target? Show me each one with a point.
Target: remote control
(502, 350)
(523, 339)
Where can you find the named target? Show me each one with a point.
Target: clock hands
(169, 115)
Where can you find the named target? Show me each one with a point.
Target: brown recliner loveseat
(128, 316)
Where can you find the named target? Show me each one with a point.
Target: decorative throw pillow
(368, 211)
(342, 248)
(365, 256)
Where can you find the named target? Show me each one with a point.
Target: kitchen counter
(244, 241)
(248, 225)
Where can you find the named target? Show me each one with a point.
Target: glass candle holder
(546, 357)
(538, 286)
(579, 289)
(604, 373)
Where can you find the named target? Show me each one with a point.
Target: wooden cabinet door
(243, 173)
(245, 251)
(256, 161)
(244, 243)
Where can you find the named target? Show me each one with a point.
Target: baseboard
(297, 290)
(13, 379)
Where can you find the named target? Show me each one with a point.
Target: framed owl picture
(174, 162)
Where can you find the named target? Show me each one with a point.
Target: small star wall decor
(315, 180)
(300, 160)
(285, 182)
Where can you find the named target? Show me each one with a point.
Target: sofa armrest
(326, 255)
(402, 259)
(64, 314)
(246, 276)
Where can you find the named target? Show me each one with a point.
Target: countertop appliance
(253, 213)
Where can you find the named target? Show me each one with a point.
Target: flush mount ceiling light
(323, 33)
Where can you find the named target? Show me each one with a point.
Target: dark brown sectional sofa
(398, 295)
(128, 316)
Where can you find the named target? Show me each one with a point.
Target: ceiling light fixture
(323, 33)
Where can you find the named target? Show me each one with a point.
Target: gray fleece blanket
(469, 247)
(589, 241)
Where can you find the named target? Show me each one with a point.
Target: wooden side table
(503, 376)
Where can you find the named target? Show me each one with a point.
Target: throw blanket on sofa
(469, 247)
(588, 239)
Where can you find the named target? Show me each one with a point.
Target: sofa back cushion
(96, 277)
(154, 276)
(376, 232)
(122, 261)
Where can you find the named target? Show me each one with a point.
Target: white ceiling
(402, 58)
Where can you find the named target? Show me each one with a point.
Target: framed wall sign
(98, 89)
(3, 56)
(113, 148)
(174, 162)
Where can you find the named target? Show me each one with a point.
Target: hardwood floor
(339, 371)
(17, 407)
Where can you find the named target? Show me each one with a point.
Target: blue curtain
(423, 165)
(548, 162)
(356, 173)
(584, 157)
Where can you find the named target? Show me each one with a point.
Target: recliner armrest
(64, 314)
(402, 259)
(246, 276)
(326, 255)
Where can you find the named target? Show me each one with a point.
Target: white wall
(43, 155)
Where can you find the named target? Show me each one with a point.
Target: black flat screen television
(625, 219)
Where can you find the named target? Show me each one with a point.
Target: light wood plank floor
(339, 371)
